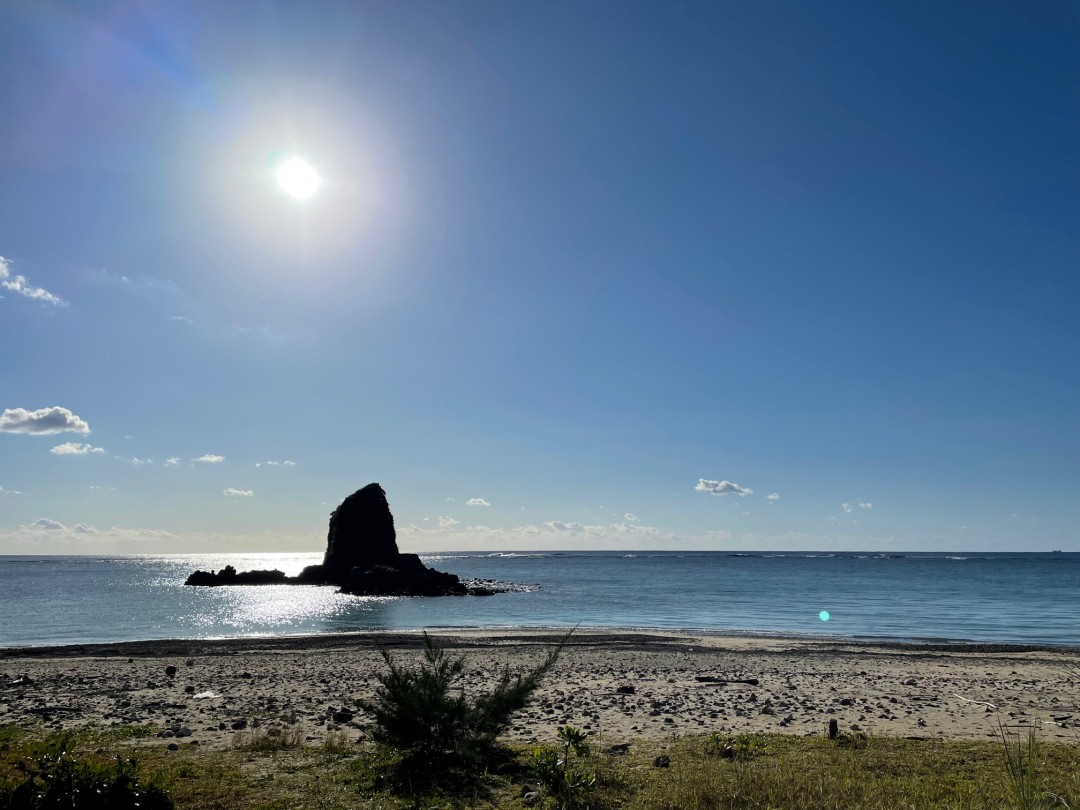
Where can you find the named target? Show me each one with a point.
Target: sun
(298, 178)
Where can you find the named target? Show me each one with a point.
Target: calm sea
(1025, 598)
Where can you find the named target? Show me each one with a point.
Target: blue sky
(579, 275)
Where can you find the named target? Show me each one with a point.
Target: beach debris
(723, 681)
(205, 695)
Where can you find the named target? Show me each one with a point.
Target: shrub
(426, 717)
(53, 777)
(568, 785)
(741, 748)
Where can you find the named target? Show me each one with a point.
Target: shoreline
(410, 637)
(624, 684)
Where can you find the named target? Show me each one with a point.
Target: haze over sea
(978, 597)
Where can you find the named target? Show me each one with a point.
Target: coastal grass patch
(816, 773)
(785, 772)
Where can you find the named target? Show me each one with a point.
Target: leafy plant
(53, 777)
(741, 748)
(427, 717)
(568, 785)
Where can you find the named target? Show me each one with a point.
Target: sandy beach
(621, 685)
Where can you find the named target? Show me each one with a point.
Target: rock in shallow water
(361, 558)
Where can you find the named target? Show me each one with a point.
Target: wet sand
(624, 685)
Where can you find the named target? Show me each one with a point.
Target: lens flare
(824, 615)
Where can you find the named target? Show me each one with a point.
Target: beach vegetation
(269, 738)
(798, 773)
(51, 775)
(741, 747)
(442, 735)
(561, 772)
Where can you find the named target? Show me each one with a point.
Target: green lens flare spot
(824, 615)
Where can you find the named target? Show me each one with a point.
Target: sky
(620, 275)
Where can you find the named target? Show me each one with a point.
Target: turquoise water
(1022, 598)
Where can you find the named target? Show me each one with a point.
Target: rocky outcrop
(361, 535)
(361, 558)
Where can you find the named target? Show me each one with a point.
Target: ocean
(970, 597)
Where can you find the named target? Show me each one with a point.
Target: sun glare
(298, 178)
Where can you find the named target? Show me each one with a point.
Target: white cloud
(75, 449)
(134, 461)
(477, 502)
(103, 489)
(275, 463)
(42, 422)
(172, 461)
(83, 528)
(447, 523)
(865, 505)
(847, 507)
(20, 285)
(47, 525)
(238, 493)
(721, 488)
(9, 491)
(630, 517)
(209, 458)
(289, 463)
(773, 496)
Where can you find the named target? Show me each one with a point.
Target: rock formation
(361, 558)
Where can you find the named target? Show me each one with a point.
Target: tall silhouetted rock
(361, 557)
(361, 532)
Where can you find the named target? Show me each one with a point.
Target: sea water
(1001, 598)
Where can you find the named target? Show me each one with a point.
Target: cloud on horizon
(773, 496)
(232, 492)
(209, 458)
(76, 449)
(721, 487)
(20, 285)
(42, 422)
(477, 502)
(10, 492)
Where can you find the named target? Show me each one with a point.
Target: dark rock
(362, 558)
(239, 725)
(229, 576)
(625, 689)
(170, 671)
(361, 534)
(619, 749)
(662, 761)
(344, 716)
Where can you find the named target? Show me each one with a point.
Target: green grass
(790, 772)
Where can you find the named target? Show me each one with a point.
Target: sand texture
(671, 684)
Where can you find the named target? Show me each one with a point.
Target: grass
(790, 772)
